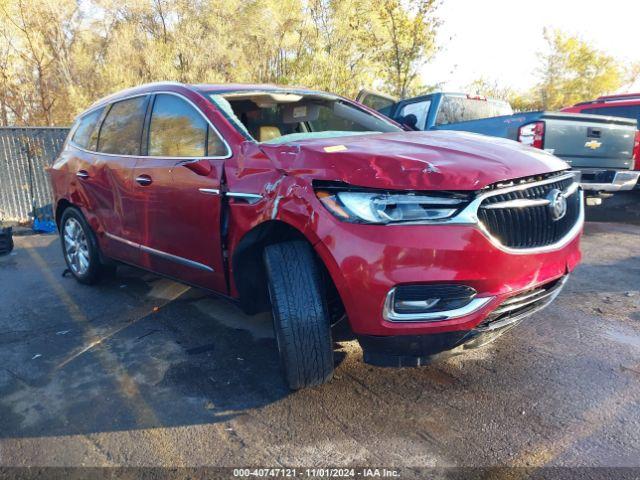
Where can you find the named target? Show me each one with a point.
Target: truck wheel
(300, 317)
(80, 248)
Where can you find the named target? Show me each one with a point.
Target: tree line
(570, 70)
(59, 56)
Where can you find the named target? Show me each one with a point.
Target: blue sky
(501, 39)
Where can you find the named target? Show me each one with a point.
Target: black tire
(95, 270)
(300, 318)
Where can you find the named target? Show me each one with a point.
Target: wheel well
(60, 208)
(250, 275)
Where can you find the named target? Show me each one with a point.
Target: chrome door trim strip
(122, 240)
(176, 258)
(160, 253)
(251, 198)
(210, 191)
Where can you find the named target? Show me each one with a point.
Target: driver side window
(177, 129)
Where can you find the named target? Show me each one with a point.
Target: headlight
(389, 207)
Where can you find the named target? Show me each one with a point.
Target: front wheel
(80, 247)
(300, 317)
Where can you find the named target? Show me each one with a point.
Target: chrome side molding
(161, 254)
(250, 198)
(176, 258)
(209, 191)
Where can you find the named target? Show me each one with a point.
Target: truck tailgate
(590, 141)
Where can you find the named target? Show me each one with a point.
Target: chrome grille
(523, 218)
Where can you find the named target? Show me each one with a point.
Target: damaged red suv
(321, 210)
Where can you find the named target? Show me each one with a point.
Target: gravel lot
(142, 371)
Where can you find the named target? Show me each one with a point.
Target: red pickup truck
(316, 208)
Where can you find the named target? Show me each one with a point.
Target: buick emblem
(557, 204)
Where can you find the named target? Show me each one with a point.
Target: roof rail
(622, 96)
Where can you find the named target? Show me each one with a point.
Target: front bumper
(389, 256)
(417, 350)
(608, 180)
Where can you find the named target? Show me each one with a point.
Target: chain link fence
(25, 192)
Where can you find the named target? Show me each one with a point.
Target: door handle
(83, 174)
(144, 180)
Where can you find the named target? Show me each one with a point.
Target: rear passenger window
(122, 128)
(86, 134)
(177, 129)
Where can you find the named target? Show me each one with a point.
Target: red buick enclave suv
(321, 210)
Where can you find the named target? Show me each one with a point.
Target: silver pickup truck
(602, 149)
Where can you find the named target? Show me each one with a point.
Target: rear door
(590, 141)
(109, 178)
(178, 194)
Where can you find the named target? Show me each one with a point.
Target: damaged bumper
(417, 350)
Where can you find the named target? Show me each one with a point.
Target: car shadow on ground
(135, 351)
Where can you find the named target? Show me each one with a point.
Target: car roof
(202, 88)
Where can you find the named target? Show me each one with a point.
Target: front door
(178, 200)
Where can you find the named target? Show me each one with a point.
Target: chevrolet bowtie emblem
(593, 144)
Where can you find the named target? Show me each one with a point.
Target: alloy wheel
(76, 247)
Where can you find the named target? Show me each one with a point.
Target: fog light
(415, 303)
(431, 298)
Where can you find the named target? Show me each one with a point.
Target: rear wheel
(300, 318)
(80, 248)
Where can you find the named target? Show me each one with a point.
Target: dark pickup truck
(603, 149)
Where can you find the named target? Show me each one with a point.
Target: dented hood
(442, 160)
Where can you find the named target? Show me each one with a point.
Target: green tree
(58, 57)
(403, 39)
(574, 71)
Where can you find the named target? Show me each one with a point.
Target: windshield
(454, 109)
(283, 116)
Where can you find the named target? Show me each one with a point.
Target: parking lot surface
(143, 371)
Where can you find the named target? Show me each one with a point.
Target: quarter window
(121, 130)
(177, 129)
(86, 135)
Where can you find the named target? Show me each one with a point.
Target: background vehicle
(309, 205)
(626, 105)
(605, 150)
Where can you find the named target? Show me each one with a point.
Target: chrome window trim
(469, 216)
(159, 92)
(160, 253)
(390, 315)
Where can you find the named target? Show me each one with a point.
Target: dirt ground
(143, 371)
